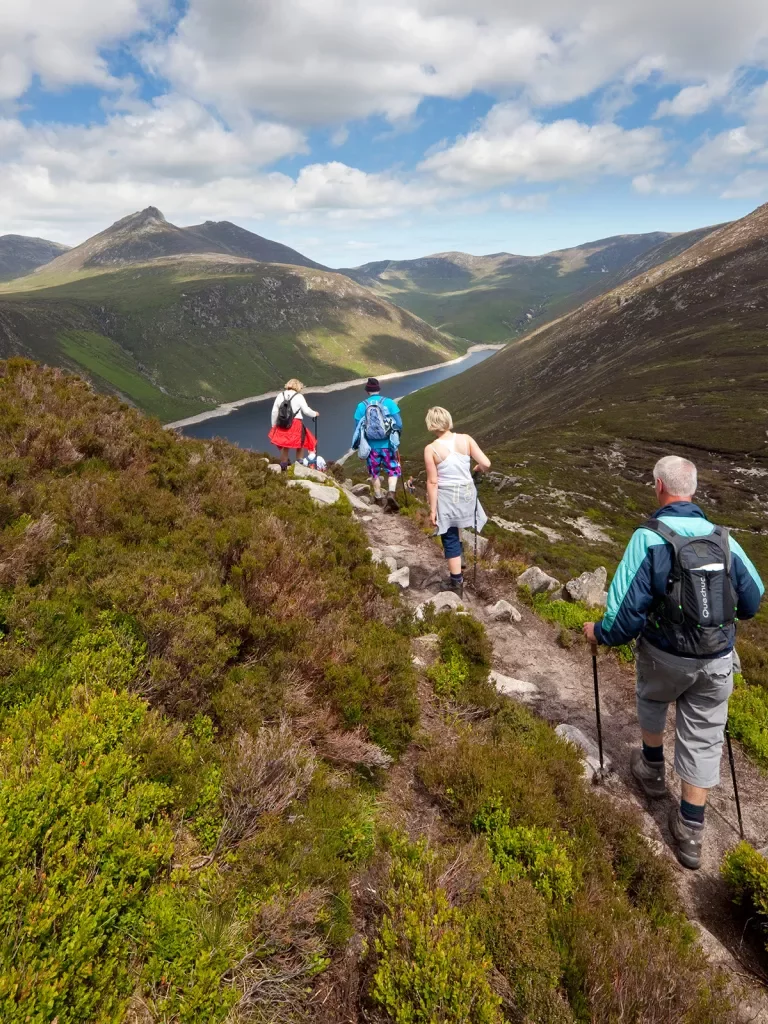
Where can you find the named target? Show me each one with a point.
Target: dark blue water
(249, 425)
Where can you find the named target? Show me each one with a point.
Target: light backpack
(377, 425)
(697, 615)
(285, 413)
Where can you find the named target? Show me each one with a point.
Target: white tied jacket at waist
(298, 405)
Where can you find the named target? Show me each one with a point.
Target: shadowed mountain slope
(20, 254)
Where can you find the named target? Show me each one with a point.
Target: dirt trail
(529, 651)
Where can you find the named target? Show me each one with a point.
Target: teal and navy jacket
(641, 578)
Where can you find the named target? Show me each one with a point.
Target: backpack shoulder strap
(665, 531)
(722, 535)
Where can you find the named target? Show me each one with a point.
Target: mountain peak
(148, 218)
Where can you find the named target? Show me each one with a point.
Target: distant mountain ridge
(678, 350)
(501, 295)
(180, 320)
(147, 235)
(21, 254)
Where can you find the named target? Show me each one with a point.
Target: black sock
(653, 754)
(284, 466)
(692, 812)
(457, 577)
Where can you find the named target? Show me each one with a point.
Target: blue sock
(653, 754)
(457, 577)
(692, 812)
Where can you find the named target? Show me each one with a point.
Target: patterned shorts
(386, 459)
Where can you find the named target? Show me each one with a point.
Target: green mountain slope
(182, 333)
(576, 414)
(492, 298)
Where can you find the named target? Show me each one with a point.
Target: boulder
(402, 577)
(589, 588)
(441, 601)
(468, 539)
(590, 749)
(511, 687)
(537, 581)
(426, 648)
(361, 489)
(275, 467)
(319, 494)
(503, 611)
(361, 504)
(348, 483)
(309, 473)
(377, 555)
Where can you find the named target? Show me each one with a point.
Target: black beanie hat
(372, 385)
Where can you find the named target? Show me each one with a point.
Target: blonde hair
(294, 385)
(439, 420)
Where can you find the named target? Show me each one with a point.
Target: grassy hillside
(492, 298)
(575, 415)
(179, 335)
(205, 681)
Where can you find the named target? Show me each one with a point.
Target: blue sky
(360, 130)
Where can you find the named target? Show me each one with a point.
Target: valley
(501, 296)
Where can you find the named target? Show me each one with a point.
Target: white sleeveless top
(457, 503)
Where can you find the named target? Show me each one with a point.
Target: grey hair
(438, 420)
(677, 475)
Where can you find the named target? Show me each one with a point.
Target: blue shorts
(452, 545)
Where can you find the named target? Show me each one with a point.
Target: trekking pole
(733, 776)
(402, 480)
(597, 706)
(317, 443)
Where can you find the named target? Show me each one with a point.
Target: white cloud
(340, 136)
(511, 146)
(695, 99)
(663, 184)
(325, 61)
(524, 204)
(63, 42)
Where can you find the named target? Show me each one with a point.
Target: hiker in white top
(453, 502)
(294, 434)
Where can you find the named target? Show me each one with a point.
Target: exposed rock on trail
(590, 588)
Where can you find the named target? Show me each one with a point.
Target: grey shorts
(701, 687)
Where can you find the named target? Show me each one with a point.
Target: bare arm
(481, 459)
(431, 467)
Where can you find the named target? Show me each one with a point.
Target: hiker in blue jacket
(680, 587)
(381, 428)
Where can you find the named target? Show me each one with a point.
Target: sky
(361, 130)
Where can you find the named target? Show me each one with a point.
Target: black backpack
(285, 413)
(697, 615)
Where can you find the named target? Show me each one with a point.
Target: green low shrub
(432, 967)
(527, 852)
(748, 719)
(746, 874)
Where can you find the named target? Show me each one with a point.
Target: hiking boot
(650, 775)
(453, 587)
(688, 837)
(380, 500)
(392, 503)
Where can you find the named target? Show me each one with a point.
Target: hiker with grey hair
(451, 488)
(681, 585)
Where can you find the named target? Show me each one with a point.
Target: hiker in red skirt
(288, 429)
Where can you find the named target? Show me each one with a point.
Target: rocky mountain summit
(147, 235)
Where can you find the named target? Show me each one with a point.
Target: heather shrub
(746, 873)
(431, 965)
(748, 718)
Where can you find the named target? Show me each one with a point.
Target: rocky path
(531, 666)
